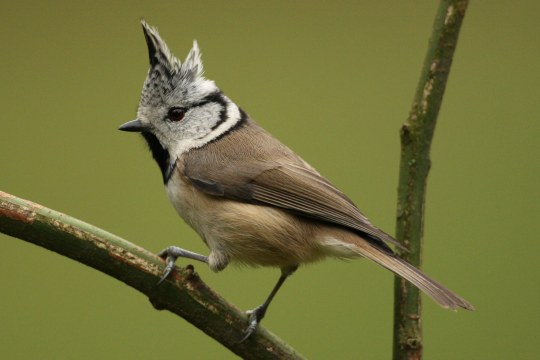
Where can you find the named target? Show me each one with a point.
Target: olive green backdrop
(333, 80)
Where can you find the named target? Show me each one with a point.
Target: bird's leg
(257, 314)
(172, 253)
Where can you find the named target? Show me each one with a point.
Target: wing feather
(309, 194)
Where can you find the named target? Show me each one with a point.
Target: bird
(250, 198)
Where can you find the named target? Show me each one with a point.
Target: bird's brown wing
(287, 183)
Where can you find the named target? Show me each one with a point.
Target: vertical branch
(416, 136)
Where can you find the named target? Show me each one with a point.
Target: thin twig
(416, 136)
(184, 294)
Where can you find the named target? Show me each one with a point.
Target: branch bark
(184, 293)
(416, 137)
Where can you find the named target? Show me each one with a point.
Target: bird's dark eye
(176, 114)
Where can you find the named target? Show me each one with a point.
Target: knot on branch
(413, 343)
(405, 134)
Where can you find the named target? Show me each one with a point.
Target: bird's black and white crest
(167, 74)
(203, 112)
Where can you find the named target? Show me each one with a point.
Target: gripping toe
(172, 253)
(255, 317)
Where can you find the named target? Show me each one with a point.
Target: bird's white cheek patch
(233, 117)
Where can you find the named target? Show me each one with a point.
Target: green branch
(416, 136)
(183, 294)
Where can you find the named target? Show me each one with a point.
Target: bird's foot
(170, 256)
(255, 317)
(172, 253)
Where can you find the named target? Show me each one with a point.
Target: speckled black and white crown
(168, 75)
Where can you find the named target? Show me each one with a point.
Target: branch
(416, 136)
(183, 294)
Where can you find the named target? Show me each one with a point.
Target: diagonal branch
(184, 294)
(416, 136)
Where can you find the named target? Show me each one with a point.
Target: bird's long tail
(446, 298)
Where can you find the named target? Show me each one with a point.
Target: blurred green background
(334, 81)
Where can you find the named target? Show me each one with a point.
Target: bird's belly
(187, 202)
(246, 233)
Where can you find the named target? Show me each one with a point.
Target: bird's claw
(170, 259)
(255, 317)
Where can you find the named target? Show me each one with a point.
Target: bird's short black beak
(133, 126)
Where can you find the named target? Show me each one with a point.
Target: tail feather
(446, 298)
